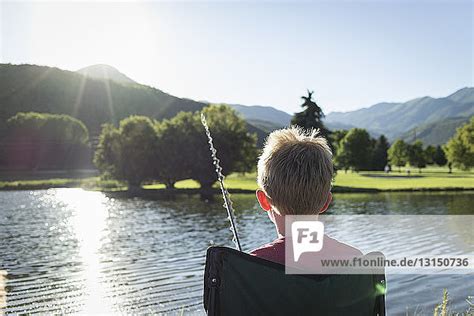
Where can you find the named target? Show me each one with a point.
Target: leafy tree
(336, 137)
(439, 157)
(45, 141)
(398, 154)
(176, 147)
(48, 127)
(311, 116)
(460, 148)
(379, 155)
(107, 157)
(355, 149)
(128, 153)
(138, 140)
(416, 155)
(340, 157)
(236, 148)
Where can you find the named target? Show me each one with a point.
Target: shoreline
(431, 180)
(215, 191)
(210, 195)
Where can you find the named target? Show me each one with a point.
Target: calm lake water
(75, 251)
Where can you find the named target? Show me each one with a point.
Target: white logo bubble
(307, 237)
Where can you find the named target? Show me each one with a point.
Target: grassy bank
(92, 183)
(430, 179)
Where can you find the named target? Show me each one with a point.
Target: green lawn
(93, 183)
(430, 178)
(401, 181)
(233, 181)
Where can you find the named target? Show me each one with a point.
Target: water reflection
(75, 251)
(88, 223)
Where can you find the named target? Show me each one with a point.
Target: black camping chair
(236, 283)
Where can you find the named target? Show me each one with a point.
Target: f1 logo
(307, 236)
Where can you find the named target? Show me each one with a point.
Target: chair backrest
(236, 283)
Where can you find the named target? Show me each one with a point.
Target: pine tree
(311, 116)
(439, 157)
(380, 156)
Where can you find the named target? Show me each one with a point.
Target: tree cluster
(458, 152)
(400, 154)
(353, 149)
(356, 150)
(175, 149)
(460, 148)
(44, 141)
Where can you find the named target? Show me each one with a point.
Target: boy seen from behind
(295, 172)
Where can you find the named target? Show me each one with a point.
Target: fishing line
(220, 179)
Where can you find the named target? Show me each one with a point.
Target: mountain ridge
(393, 119)
(105, 72)
(94, 100)
(263, 113)
(107, 95)
(25, 88)
(437, 133)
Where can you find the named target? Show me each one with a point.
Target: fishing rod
(220, 179)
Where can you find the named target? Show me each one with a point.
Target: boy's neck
(279, 222)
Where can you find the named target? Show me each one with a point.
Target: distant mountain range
(431, 120)
(435, 119)
(266, 114)
(437, 133)
(100, 93)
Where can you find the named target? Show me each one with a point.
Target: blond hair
(295, 170)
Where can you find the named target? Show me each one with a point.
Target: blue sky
(353, 54)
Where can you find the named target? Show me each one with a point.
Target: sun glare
(123, 35)
(88, 223)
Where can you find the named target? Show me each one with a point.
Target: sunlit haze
(353, 54)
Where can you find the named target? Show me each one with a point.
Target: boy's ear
(326, 205)
(263, 200)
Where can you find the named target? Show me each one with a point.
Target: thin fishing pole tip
(220, 177)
